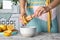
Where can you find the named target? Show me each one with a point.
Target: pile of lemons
(7, 30)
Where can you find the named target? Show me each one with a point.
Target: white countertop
(41, 36)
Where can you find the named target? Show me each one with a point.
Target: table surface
(41, 36)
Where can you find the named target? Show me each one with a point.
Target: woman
(39, 9)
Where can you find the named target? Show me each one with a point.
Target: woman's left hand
(41, 10)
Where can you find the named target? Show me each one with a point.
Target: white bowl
(28, 31)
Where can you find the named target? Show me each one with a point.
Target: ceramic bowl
(28, 31)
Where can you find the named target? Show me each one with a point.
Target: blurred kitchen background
(9, 10)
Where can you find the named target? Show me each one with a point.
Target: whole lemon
(3, 27)
(7, 33)
(24, 20)
(10, 27)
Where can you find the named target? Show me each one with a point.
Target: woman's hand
(41, 10)
(23, 14)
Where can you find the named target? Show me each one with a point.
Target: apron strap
(49, 16)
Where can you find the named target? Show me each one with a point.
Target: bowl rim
(28, 27)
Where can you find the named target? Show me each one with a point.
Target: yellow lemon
(28, 18)
(10, 27)
(3, 27)
(24, 20)
(7, 33)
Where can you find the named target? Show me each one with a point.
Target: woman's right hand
(21, 17)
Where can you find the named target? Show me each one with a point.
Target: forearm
(22, 5)
(54, 3)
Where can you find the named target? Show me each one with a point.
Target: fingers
(21, 20)
(39, 11)
(22, 16)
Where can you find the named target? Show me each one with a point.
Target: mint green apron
(41, 22)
